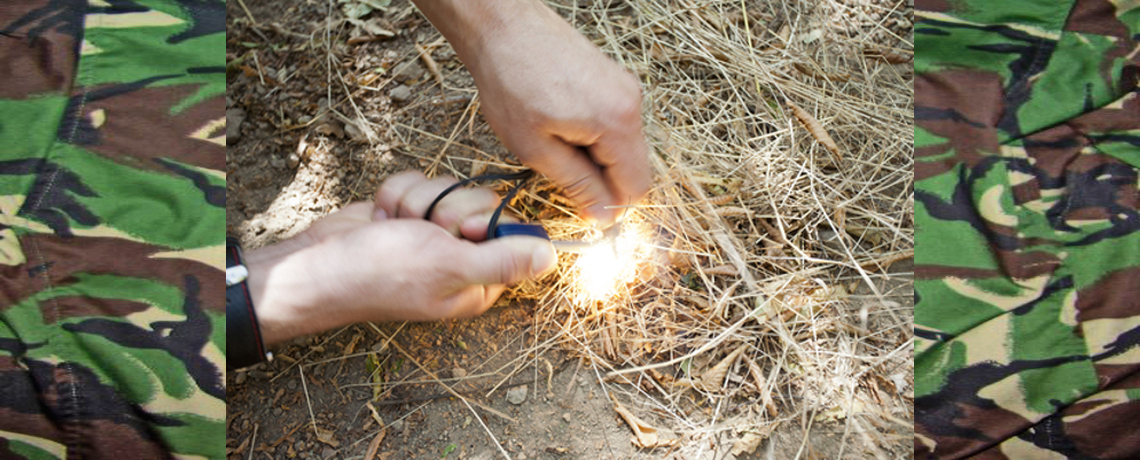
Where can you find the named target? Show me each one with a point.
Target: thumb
(508, 260)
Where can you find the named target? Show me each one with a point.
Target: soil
(288, 165)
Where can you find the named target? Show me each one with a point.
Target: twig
(308, 402)
(247, 13)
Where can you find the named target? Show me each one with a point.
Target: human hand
(381, 262)
(554, 99)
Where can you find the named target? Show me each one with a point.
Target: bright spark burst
(601, 271)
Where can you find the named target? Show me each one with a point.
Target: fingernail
(543, 258)
(379, 214)
(603, 215)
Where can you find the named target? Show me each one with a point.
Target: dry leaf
(752, 439)
(839, 413)
(645, 436)
(372, 28)
(326, 436)
(714, 377)
(816, 129)
(761, 382)
(375, 445)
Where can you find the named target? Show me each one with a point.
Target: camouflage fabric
(1027, 302)
(112, 326)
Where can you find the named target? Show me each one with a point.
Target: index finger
(625, 164)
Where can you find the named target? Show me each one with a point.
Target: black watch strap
(244, 346)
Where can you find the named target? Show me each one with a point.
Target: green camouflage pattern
(112, 148)
(1027, 297)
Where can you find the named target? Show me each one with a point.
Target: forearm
(470, 24)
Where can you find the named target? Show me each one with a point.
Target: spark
(602, 270)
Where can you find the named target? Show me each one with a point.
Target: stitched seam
(72, 445)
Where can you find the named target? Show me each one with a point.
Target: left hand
(382, 262)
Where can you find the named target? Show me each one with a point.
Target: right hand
(556, 101)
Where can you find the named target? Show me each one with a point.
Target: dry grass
(782, 145)
(739, 318)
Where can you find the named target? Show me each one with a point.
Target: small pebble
(408, 72)
(240, 378)
(401, 93)
(292, 384)
(234, 119)
(566, 417)
(396, 426)
(293, 161)
(458, 373)
(517, 395)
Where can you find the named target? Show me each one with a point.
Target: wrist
(284, 294)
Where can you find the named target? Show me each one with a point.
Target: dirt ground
(287, 168)
(566, 413)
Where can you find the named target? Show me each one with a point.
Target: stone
(240, 378)
(517, 395)
(409, 72)
(396, 426)
(234, 119)
(292, 385)
(293, 161)
(401, 93)
(566, 417)
(458, 373)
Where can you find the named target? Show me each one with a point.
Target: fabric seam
(73, 445)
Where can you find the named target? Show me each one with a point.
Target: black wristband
(244, 346)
